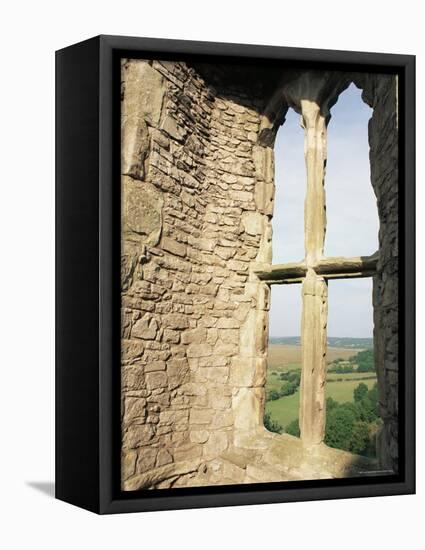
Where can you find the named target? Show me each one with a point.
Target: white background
(30, 32)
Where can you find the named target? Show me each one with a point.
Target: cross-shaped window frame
(314, 271)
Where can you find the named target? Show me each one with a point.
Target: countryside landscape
(351, 392)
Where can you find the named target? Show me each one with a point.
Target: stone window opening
(197, 207)
(316, 269)
(290, 186)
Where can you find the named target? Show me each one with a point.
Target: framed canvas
(227, 332)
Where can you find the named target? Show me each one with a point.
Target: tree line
(363, 361)
(291, 384)
(350, 426)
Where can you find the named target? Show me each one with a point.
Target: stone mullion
(315, 204)
(313, 359)
(314, 287)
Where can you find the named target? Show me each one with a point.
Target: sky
(352, 217)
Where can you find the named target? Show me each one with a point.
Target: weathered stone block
(131, 350)
(133, 378)
(228, 336)
(171, 336)
(175, 321)
(212, 336)
(229, 178)
(146, 459)
(207, 321)
(173, 128)
(237, 265)
(174, 417)
(225, 253)
(247, 332)
(145, 329)
(233, 472)
(242, 311)
(142, 211)
(163, 458)
(248, 406)
(219, 402)
(216, 444)
(199, 350)
(200, 416)
(144, 91)
(199, 436)
(135, 146)
(216, 374)
(253, 223)
(194, 336)
(174, 247)
(178, 373)
(134, 407)
(228, 322)
(264, 197)
(156, 380)
(177, 365)
(214, 361)
(241, 196)
(225, 349)
(188, 452)
(155, 366)
(222, 419)
(263, 158)
(138, 436)
(248, 371)
(128, 463)
(141, 104)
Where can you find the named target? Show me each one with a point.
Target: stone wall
(380, 93)
(197, 202)
(194, 192)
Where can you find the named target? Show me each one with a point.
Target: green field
(361, 376)
(285, 356)
(340, 386)
(285, 409)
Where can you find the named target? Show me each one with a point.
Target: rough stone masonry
(197, 190)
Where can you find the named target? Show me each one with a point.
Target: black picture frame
(87, 278)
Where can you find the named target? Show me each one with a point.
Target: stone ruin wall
(380, 93)
(197, 201)
(195, 196)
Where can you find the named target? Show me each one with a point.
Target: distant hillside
(333, 342)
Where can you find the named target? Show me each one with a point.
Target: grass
(343, 391)
(283, 358)
(282, 355)
(285, 409)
